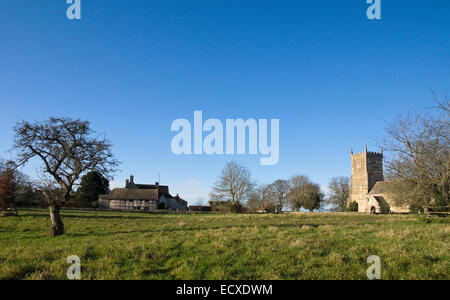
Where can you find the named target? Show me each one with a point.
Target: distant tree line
(235, 191)
(236, 186)
(18, 190)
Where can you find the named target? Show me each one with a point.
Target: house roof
(131, 194)
(176, 198)
(150, 186)
(179, 200)
(163, 189)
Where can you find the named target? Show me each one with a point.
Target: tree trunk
(57, 227)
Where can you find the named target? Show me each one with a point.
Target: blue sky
(331, 76)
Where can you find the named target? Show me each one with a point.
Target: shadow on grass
(190, 229)
(147, 216)
(65, 215)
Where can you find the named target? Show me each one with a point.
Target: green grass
(115, 245)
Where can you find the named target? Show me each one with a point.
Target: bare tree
(297, 189)
(67, 149)
(304, 193)
(9, 165)
(259, 200)
(420, 162)
(54, 195)
(235, 184)
(339, 192)
(278, 191)
(200, 201)
(254, 202)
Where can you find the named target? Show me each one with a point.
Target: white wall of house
(133, 204)
(171, 203)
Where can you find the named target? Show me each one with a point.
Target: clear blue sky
(331, 76)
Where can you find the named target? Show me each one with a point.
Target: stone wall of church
(367, 169)
(359, 183)
(374, 169)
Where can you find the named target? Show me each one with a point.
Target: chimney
(127, 182)
(157, 184)
(131, 179)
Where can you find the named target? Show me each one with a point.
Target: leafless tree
(259, 200)
(235, 184)
(339, 192)
(303, 193)
(9, 165)
(420, 164)
(53, 194)
(297, 189)
(200, 201)
(278, 191)
(67, 149)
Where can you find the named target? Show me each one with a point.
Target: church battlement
(378, 154)
(367, 153)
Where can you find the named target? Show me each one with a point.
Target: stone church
(368, 188)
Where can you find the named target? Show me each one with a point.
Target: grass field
(115, 245)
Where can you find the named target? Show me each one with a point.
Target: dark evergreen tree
(92, 185)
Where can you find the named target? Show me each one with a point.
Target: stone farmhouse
(144, 197)
(368, 188)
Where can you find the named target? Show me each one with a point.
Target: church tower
(367, 169)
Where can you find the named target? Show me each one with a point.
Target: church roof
(381, 187)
